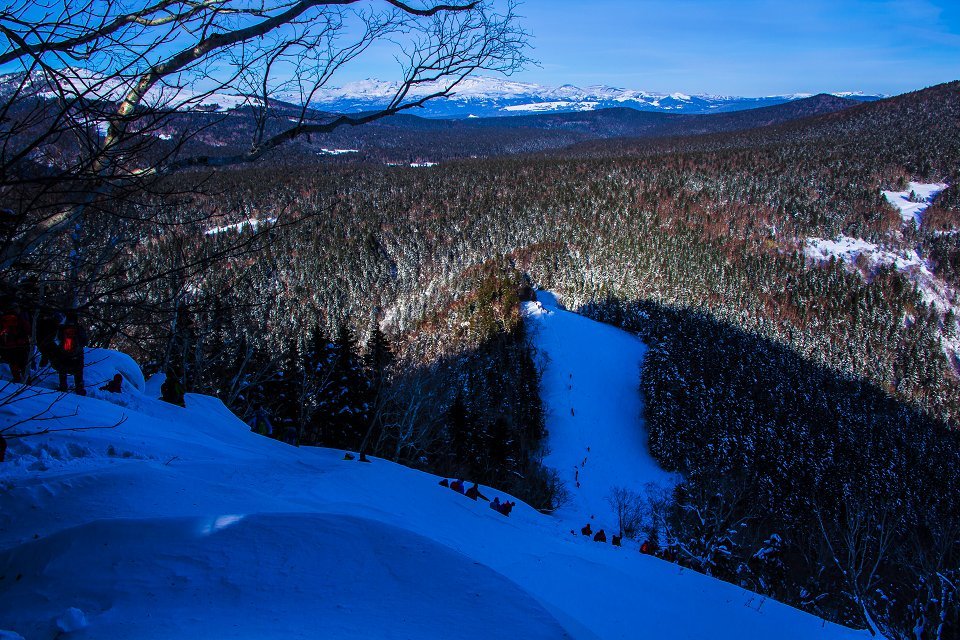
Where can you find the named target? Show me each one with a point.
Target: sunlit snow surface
(590, 391)
(181, 523)
(911, 210)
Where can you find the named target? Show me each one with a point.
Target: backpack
(71, 339)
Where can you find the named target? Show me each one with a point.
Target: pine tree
(378, 359)
(459, 428)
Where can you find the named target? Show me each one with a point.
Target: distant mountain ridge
(483, 96)
(474, 97)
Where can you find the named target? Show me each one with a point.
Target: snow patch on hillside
(559, 105)
(915, 200)
(249, 223)
(867, 257)
(870, 256)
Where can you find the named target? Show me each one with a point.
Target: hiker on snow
(172, 389)
(600, 537)
(15, 340)
(260, 422)
(457, 485)
(586, 530)
(71, 340)
(501, 507)
(474, 492)
(115, 385)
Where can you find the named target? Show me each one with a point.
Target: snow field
(182, 523)
(597, 441)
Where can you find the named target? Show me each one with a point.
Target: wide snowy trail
(181, 523)
(590, 391)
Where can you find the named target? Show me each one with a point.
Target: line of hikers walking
(59, 337)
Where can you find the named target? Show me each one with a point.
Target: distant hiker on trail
(474, 492)
(648, 547)
(600, 537)
(616, 540)
(586, 530)
(71, 340)
(172, 389)
(445, 483)
(495, 503)
(15, 332)
(457, 485)
(260, 422)
(115, 385)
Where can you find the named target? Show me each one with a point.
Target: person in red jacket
(71, 341)
(15, 332)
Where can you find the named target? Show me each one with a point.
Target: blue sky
(749, 47)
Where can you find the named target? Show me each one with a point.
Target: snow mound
(100, 365)
(236, 576)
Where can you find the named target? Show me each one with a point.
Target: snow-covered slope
(181, 523)
(591, 379)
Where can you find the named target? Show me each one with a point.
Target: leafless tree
(92, 111)
(630, 508)
(858, 539)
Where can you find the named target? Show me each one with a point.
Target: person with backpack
(71, 340)
(260, 422)
(600, 537)
(15, 332)
(172, 389)
(474, 492)
(115, 385)
(457, 485)
(503, 508)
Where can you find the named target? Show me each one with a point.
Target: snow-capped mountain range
(483, 96)
(479, 96)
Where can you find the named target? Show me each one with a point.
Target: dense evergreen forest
(376, 309)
